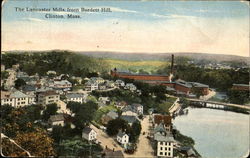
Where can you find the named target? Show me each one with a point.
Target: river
(217, 133)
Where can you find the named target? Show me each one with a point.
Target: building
(63, 85)
(165, 119)
(2, 67)
(48, 97)
(119, 83)
(241, 87)
(89, 134)
(121, 105)
(97, 80)
(140, 77)
(56, 120)
(138, 108)
(110, 84)
(16, 99)
(76, 97)
(130, 86)
(91, 86)
(122, 138)
(108, 117)
(164, 141)
(129, 119)
(104, 100)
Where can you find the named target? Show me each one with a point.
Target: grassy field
(135, 66)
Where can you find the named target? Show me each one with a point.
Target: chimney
(113, 149)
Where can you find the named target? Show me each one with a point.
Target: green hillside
(136, 66)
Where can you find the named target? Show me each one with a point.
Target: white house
(48, 97)
(110, 84)
(56, 120)
(138, 108)
(122, 138)
(164, 141)
(97, 80)
(91, 86)
(16, 99)
(130, 86)
(51, 72)
(119, 83)
(76, 97)
(89, 134)
(104, 100)
(64, 85)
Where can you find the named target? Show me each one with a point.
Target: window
(166, 148)
(161, 153)
(169, 149)
(161, 148)
(168, 154)
(161, 143)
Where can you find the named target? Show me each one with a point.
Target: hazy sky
(220, 27)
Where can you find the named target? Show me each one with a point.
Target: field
(149, 65)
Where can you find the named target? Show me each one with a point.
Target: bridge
(218, 104)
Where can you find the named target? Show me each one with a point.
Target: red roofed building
(166, 119)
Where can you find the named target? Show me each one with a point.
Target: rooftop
(55, 118)
(87, 130)
(242, 85)
(167, 119)
(129, 119)
(161, 138)
(121, 134)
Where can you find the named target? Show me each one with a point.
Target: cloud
(33, 19)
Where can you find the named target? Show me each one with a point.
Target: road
(144, 148)
(106, 140)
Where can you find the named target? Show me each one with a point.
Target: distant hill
(155, 56)
(165, 56)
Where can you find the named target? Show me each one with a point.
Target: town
(125, 115)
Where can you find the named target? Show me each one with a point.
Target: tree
(19, 83)
(38, 143)
(51, 109)
(238, 96)
(134, 131)
(4, 75)
(85, 114)
(115, 125)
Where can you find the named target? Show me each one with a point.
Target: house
(164, 141)
(165, 119)
(138, 108)
(122, 138)
(119, 83)
(56, 120)
(89, 134)
(108, 153)
(187, 152)
(129, 119)
(121, 104)
(109, 116)
(164, 145)
(63, 85)
(97, 80)
(76, 97)
(16, 99)
(110, 84)
(130, 86)
(48, 97)
(29, 89)
(128, 111)
(91, 86)
(104, 100)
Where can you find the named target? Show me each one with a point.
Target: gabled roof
(161, 138)
(74, 95)
(112, 114)
(129, 119)
(121, 134)
(167, 119)
(87, 130)
(160, 128)
(18, 94)
(47, 93)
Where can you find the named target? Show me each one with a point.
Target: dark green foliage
(34, 112)
(84, 113)
(63, 62)
(19, 83)
(115, 125)
(4, 75)
(78, 147)
(51, 109)
(135, 131)
(185, 140)
(238, 96)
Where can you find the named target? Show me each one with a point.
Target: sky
(217, 27)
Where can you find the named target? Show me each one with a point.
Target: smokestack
(172, 64)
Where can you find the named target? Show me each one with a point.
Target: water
(217, 133)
